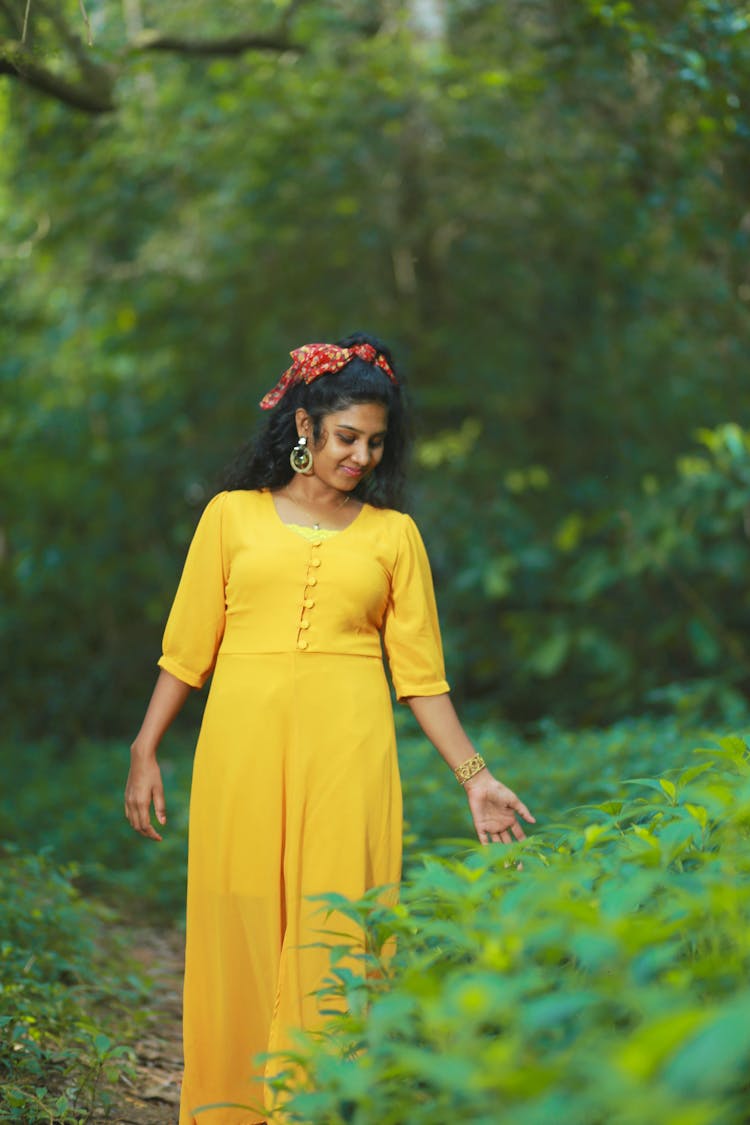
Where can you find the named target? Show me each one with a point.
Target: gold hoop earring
(301, 459)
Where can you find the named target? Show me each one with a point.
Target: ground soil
(152, 1097)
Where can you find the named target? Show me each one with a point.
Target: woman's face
(350, 445)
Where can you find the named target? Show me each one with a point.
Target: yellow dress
(296, 790)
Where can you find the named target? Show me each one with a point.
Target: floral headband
(313, 360)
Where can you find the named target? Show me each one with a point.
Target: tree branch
(226, 46)
(82, 55)
(87, 22)
(16, 62)
(90, 88)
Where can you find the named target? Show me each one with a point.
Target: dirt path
(153, 1097)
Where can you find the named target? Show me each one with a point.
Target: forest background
(541, 205)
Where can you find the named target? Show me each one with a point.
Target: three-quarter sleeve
(195, 625)
(411, 633)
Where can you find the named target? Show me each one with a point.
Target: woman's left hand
(495, 810)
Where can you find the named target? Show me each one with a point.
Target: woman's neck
(311, 490)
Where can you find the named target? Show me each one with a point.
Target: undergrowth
(595, 974)
(552, 771)
(602, 982)
(67, 991)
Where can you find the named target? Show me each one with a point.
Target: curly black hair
(264, 461)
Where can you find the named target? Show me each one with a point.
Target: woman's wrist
(143, 751)
(468, 769)
(484, 777)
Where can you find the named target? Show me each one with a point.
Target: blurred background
(542, 206)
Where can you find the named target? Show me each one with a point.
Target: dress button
(308, 603)
(316, 542)
(302, 643)
(304, 624)
(312, 580)
(314, 562)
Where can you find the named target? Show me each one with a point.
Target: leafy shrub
(63, 987)
(604, 982)
(552, 770)
(592, 599)
(74, 810)
(626, 911)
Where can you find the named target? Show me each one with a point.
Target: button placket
(308, 602)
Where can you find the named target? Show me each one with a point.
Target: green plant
(65, 985)
(73, 809)
(541, 205)
(551, 768)
(604, 982)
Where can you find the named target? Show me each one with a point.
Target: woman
(295, 573)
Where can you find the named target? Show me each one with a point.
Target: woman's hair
(264, 461)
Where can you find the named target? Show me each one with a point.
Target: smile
(351, 472)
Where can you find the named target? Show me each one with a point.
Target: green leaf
(710, 1061)
(669, 788)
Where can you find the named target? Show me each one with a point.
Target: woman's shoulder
(391, 518)
(388, 515)
(232, 506)
(239, 498)
(395, 526)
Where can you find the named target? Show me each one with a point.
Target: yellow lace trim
(313, 533)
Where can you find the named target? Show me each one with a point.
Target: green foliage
(65, 985)
(73, 808)
(641, 598)
(74, 811)
(553, 771)
(597, 972)
(541, 205)
(624, 927)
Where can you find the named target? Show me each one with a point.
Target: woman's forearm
(437, 717)
(167, 700)
(495, 809)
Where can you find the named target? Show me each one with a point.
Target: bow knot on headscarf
(313, 360)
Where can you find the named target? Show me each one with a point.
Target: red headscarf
(312, 360)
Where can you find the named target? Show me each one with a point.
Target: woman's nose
(361, 454)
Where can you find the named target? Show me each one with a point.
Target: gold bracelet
(467, 769)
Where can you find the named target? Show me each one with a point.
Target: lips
(351, 472)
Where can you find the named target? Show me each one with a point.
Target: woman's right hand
(143, 789)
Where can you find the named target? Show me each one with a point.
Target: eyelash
(350, 441)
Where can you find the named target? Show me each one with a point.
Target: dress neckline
(311, 533)
(290, 529)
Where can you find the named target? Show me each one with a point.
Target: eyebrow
(345, 426)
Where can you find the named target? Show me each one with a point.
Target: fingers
(138, 813)
(160, 805)
(502, 836)
(487, 837)
(516, 804)
(149, 832)
(494, 810)
(521, 809)
(497, 837)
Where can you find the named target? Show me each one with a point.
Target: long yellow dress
(296, 790)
